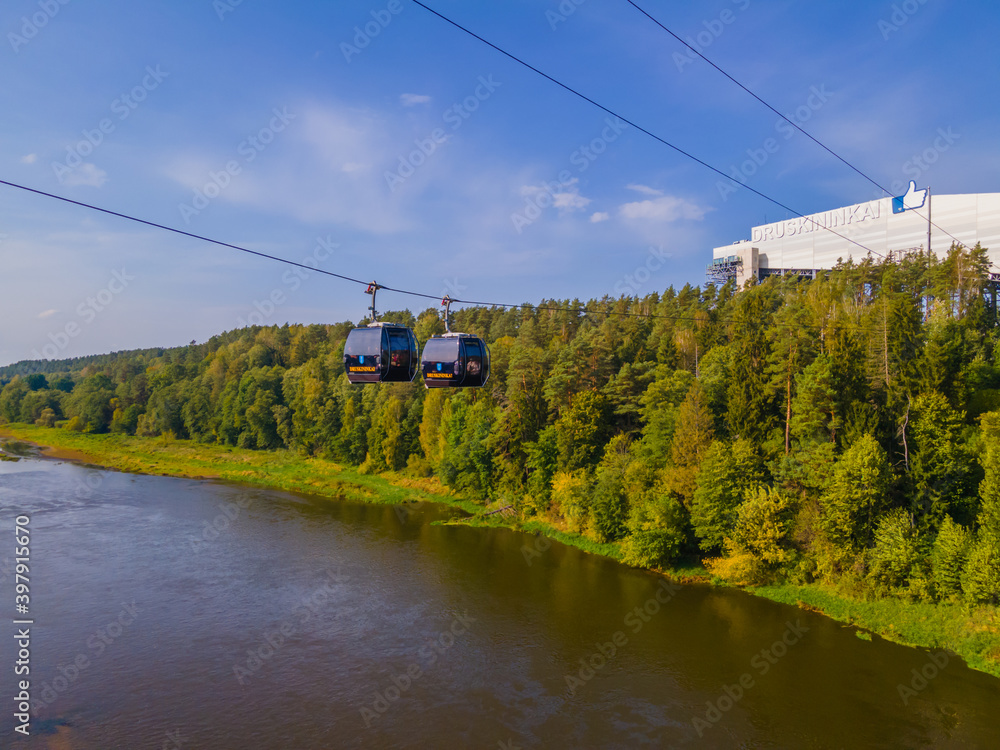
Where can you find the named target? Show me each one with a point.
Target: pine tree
(582, 431)
(694, 430)
(610, 508)
(691, 440)
(948, 557)
(792, 346)
(989, 493)
(728, 474)
(894, 322)
(749, 399)
(856, 496)
(981, 578)
(541, 465)
(814, 409)
(660, 411)
(939, 461)
(895, 552)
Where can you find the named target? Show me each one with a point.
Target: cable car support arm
(373, 290)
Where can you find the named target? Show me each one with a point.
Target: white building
(805, 245)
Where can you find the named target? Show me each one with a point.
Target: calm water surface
(216, 616)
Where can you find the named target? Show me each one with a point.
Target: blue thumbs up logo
(912, 199)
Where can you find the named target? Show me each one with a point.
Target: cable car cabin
(381, 353)
(455, 360)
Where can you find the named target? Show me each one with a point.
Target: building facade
(804, 245)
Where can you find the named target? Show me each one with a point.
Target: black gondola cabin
(381, 353)
(455, 360)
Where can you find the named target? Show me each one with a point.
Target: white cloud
(411, 100)
(570, 201)
(47, 313)
(599, 216)
(664, 208)
(566, 200)
(29, 158)
(644, 189)
(86, 174)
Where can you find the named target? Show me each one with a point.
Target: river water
(173, 613)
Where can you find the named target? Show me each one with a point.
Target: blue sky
(422, 158)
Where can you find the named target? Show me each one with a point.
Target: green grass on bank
(573, 540)
(536, 526)
(282, 470)
(684, 571)
(973, 634)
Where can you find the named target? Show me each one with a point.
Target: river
(173, 613)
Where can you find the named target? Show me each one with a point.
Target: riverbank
(971, 633)
(282, 470)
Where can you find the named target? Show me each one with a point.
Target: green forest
(842, 430)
